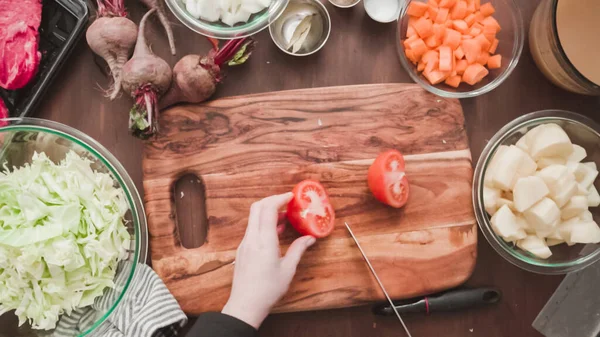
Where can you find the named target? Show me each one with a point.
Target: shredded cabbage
(62, 233)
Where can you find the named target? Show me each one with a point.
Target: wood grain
(249, 147)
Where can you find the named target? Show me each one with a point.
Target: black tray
(63, 22)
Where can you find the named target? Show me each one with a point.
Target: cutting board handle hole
(190, 210)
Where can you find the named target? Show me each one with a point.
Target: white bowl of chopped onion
(227, 19)
(72, 230)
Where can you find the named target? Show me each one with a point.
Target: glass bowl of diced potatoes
(459, 48)
(535, 192)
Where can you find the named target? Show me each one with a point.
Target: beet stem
(228, 51)
(141, 48)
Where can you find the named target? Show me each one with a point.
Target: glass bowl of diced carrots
(460, 48)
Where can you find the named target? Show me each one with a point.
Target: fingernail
(311, 241)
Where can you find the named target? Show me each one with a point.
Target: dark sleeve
(215, 324)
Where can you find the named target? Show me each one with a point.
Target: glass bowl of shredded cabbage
(72, 231)
(227, 19)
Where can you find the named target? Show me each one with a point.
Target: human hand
(261, 276)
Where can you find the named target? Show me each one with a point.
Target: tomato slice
(387, 179)
(310, 211)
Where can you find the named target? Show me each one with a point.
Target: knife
(378, 280)
(448, 301)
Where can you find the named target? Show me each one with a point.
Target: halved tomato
(310, 211)
(387, 179)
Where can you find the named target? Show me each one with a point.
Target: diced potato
(591, 165)
(504, 224)
(524, 224)
(581, 191)
(509, 163)
(585, 232)
(490, 199)
(502, 201)
(593, 197)
(522, 144)
(565, 193)
(543, 215)
(565, 229)
(577, 205)
(560, 182)
(535, 246)
(577, 155)
(525, 142)
(507, 195)
(494, 164)
(528, 191)
(584, 174)
(527, 166)
(550, 141)
(586, 216)
(547, 161)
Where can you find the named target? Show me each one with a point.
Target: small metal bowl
(344, 6)
(282, 29)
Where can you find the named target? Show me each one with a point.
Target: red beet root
(195, 78)
(146, 77)
(112, 36)
(164, 20)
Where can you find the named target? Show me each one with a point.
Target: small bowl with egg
(227, 19)
(535, 192)
(459, 48)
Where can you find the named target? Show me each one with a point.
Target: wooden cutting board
(249, 147)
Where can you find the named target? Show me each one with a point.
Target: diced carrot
(479, 17)
(477, 24)
(477, 4)
(442, 15)
(410, 55)
(448, 24)
(461, 26)
(472, 49)
(461, 65)
(453, 81)
(470, 19)
(426, 15)
(447, 3)
(411, 21)
(431, 66)
(459, 53)
(433, 3)
(487, 9)
(421, 66)
(433, 12)
(445, 58)
(410, 31)
(474, 73)
(485, 43)
(451, 38)
(490, 21)
(436, 76)
(493, 47)
(417, 8)
(471, 6)
(408, 41)
(495, 62)
(424, 27)
(475, 31)
(432, 42)
(483, 58)
(430, 56)
(459, 11)
(439, 31)
(419, 48)
(489, 32)
(466, 37)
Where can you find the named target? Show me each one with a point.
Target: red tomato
(309, 211)
(387, 180)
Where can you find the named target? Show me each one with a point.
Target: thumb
(295, 252)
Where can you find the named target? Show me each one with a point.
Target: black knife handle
(449, 301)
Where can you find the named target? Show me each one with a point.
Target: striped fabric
(148, 309)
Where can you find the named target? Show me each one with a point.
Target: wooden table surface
(359, 51)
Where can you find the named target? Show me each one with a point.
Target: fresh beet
(162, 16)
(146, 77)
(112, 36)
(195, 78)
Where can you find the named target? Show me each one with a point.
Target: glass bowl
(582, 131)
(18, 142)
(511, 39)
(219, 30)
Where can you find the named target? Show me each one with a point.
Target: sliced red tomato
(310, 211)
(387, 179)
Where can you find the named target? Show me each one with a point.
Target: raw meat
(19, 55)
(3, 113)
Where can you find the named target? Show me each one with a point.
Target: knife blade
(378, 280)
